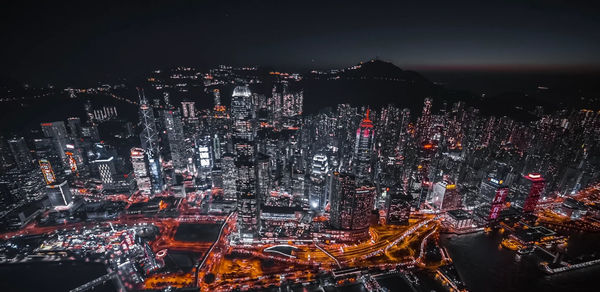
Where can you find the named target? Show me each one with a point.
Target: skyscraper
(240, 112)
(399, 204)
(106, 170)
(319, 178)
(351, 204)
(58, 133)
(140, 170)
(493, 193)
(174, 128)
(247, 201)
(149, 138)
(20, 153)
(534, 185)
(363, 148)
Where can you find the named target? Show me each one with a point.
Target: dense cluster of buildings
(260, 155)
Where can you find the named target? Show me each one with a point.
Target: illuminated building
(74, 127)
(363, 148)
(229, 177)
(319, 178)
(444, 196)
(174, 128)
(46, 148)
(398, 212)
(20, 153)
(59, 194)
(149, 139)
(47, 171)
(240, 112)
(247, 200)
(263, 176)
(459, 219)
(452, 198)
(140, 170)
(189, 109)
(58, 132)
(106, 170)
(493, 193)
(205, 154)
(534, 184)
(424, 125)
(217, 97)
(351, 204)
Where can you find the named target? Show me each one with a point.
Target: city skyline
(251, 146)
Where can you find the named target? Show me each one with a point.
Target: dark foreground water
(51, 276)
(484, 266)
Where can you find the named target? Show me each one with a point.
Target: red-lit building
(534, 184)
(498, 202)
(363, 148)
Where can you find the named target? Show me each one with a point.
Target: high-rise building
(363, 148)
(47, 171)
(241, 106)
(534, 185)
(229, 177)
(59, 194)
(174, 128)
(58, 133)
(247, 201)
(74, 127)
(106, 170)
(445, 196)
(319, 181)
(20, 153)
(140, 170)
(189, 109)
(263, 176)
(399, 204)
(424, 124)
(493, 193)
(150, 144)
(351, 204)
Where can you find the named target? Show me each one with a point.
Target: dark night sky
(87, 40)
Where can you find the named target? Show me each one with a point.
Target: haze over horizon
(76, 42)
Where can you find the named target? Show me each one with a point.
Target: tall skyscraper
(149, 138)
(363, 148)
(58, 133)
(174, 128)
(319, 181)
(445, 196)
(140, 170)
(493, 193)
(106, 170)
(229, 177)
(399, 204)
(20, 153)
(247, 200)
(240, 112)
(534, 185)
(424, 124)
(351, 204)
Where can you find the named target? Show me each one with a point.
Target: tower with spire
(149, 139)
(363, 148)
